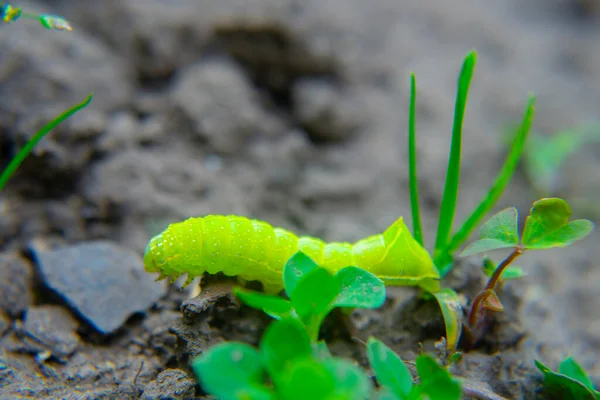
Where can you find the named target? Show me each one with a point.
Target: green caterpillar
(254, 250)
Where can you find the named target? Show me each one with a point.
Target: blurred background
(295, 112)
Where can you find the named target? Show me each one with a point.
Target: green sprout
(570, 382)
(436, 383)
(287, 366)
(26, 150)
(314, 292)
(546, 227)
(9, 13)
(446, 243)
(544, 156)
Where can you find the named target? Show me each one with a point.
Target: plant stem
(412, 164)
(502, 266)
(491, 285)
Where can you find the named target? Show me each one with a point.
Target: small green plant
(314, 292)
(26, 150)
(395, 380)
(570, 382)
(544, 156)
(446, 243)
(292, 364)
(287, 366)
(547, 226)
(9, 13)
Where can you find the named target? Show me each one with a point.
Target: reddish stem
(491, 285)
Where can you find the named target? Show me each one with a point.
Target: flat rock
(103, 282)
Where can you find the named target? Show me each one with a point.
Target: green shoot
(445, 245)
(502, 181)
(450, 195)
(314, 293)
(570, 382)
(452, 312)
(26, 150)
(396, 381)
(544, 156)
(546, 227)
(412, 164)
(296, 369)
(9, 13)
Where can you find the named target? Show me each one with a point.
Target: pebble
(105, 283)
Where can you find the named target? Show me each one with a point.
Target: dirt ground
(293, 112)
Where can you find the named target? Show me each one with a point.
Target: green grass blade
(502, 180)
(24, 152)
(412, 163)
(450, 196)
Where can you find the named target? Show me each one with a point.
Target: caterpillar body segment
(254, 250)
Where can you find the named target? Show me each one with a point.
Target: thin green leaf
(359, 288)
(436, 381)
(548, 225)
(502, 180)
(571, 368)
(272, 305)
(412, 163)
(351, 383)
(564, 387)
(449, 198)
(26, 150)
(390, 371)
(453, 316)
(283, 342)
(295, 268)
(232, 371)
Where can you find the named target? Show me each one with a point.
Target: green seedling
(544, 156)
(436, 383)
(570, 382)
(314, 292)
(26, 150)
(546, 227)
(446, 244)
(287, 366)
(9, 13)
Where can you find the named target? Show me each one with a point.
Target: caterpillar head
(150, 262)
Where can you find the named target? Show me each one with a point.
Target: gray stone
(105, 283)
